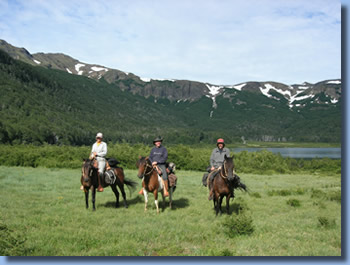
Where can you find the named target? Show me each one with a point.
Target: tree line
(185, 158)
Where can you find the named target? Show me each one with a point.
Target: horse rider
(99, 151)
(216, 161)
(158, 157)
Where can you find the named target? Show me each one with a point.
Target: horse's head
(144, 165)
(87, 170)
(228, 168)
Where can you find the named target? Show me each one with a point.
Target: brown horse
(224, 184)
(89, 180)
(151, 182)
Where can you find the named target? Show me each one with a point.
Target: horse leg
(228, 196)
(155, 193)
(216, 205)
(170, 197)
(93, 198)
(163, 205)
(121, 187)
(86, 198)
(116, 193)
(145, 194)
(220, 202)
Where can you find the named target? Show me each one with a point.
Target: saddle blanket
(110, 176)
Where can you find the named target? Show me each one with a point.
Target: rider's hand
(212, 168)
(154, 163)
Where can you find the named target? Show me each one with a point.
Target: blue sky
(222, 42)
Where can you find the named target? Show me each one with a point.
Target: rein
(224, 173)
(146, 167)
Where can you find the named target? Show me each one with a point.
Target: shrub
(236, 225)
(326, 222)
(255, 194)
(293, 202)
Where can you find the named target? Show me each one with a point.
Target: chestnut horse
(89, 180)
(151, 182)
(224, 184)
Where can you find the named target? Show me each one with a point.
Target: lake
(298, 152)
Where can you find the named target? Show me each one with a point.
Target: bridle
(90, 169)
(224, 172)
(147, 166)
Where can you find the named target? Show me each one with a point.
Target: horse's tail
(131, 185)
(242, 186)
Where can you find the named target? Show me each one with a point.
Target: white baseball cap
(99, 135)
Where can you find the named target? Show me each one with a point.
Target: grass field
(42, 213)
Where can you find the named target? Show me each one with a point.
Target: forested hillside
(40, 105)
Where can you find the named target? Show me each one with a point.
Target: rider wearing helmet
(99, 151)
(216, 161)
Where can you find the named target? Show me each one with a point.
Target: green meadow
(42, 213)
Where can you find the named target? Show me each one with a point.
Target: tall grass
(43, 213)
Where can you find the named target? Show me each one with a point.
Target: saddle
(110, 176)
(209, 176)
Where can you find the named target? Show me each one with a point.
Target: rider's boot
(100, 188)
(165, 185)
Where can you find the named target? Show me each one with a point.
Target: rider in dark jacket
(158, 158)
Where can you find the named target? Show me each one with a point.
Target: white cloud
(225, 42)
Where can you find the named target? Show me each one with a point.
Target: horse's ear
(225, 156)
(146, 158)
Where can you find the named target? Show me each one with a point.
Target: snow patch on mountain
(145, 79)
(213, 90)
(334, 100)
(336, 82)
(69, 71)
(238, 87)
(36, 61)
(97, 69)
(77, 68)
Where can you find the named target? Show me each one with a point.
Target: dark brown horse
(89, 180)
(224, 184)
(151, 182)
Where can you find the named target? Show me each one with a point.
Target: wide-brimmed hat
(99, 135)
(158, 139)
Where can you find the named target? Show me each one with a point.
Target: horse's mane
(141, 160)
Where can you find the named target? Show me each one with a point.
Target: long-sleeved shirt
(218, 156)
(159, 155)
(100, 149)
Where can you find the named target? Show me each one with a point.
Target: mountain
(57, 99)
(170, 88)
